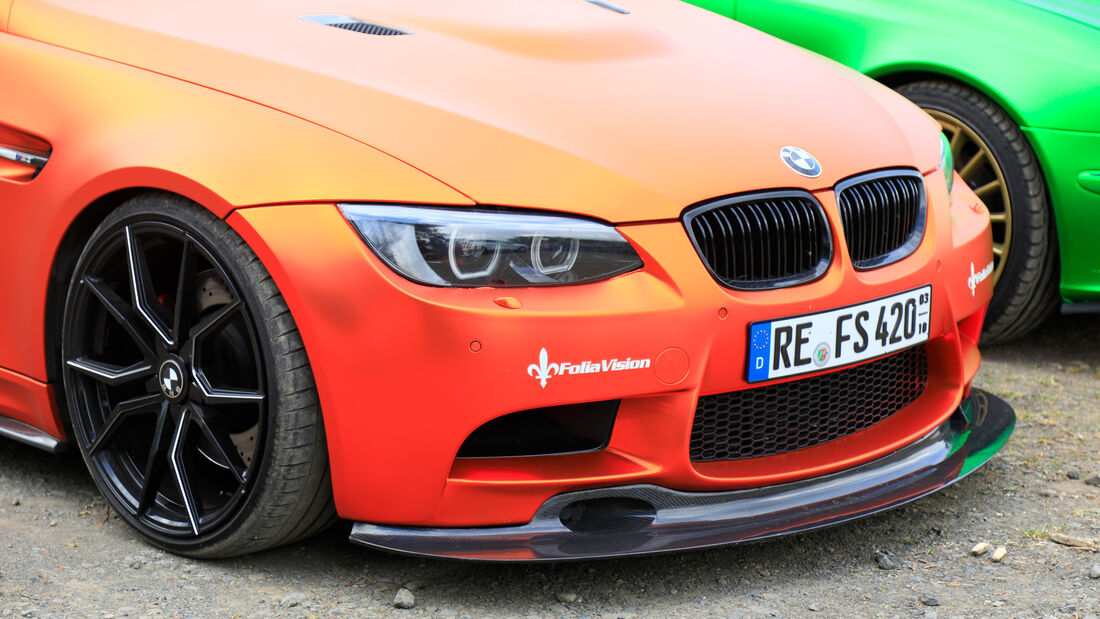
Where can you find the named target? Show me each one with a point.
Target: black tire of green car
(187, 386)
(1026, 273)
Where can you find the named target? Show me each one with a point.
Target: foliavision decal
(543, 371)
(978, 277)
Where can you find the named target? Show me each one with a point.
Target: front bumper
(603, 524)
(406, 373)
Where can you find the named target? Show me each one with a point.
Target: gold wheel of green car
(995, 159)
(976, 165)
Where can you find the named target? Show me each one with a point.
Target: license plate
(833, 338)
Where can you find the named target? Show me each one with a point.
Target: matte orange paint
(271, 127)
(29, 401)
(165, 134)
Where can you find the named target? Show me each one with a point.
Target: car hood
(559, 104)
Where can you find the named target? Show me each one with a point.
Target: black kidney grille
(777, 419)
(883, 216)
(762, 241)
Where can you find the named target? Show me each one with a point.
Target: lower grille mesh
(777, 419)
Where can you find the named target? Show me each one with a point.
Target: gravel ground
(64, 553)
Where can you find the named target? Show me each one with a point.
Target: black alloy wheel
(170, 340)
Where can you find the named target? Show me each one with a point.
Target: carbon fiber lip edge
(693, 520)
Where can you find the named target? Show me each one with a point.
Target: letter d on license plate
(814, 342)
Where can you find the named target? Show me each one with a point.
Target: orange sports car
(492, 280)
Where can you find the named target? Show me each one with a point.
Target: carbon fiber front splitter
(647, 519)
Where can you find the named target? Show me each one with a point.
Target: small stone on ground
(928, 600)
(404, 599)
(884, 561)
(291, 600)
(1069, 540)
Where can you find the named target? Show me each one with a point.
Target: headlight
(445, 247)
(947, 161)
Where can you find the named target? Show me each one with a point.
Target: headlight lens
(445, 247)
(947, 161)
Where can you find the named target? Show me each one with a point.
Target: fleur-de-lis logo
(543, 371)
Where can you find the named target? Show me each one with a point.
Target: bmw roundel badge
(800, 161)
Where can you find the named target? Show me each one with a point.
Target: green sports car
(1015, 85)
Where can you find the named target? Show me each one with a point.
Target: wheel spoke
(988, 188)
(108, 373)
(184, 286)
(998, 218)
(123, 313)
(141, 286)
(179, 469)
(211, 323)
(971, 166)
(956, 142)
(209, 395)
(225, 451)
(156, 462)
(998, 250)
(119, 414)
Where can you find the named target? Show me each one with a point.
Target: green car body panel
(1038, 59)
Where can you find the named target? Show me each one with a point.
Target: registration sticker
(833, 338)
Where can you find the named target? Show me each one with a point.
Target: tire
(1007, 177)
(187, 386)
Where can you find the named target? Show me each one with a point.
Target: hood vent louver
(355, 25)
